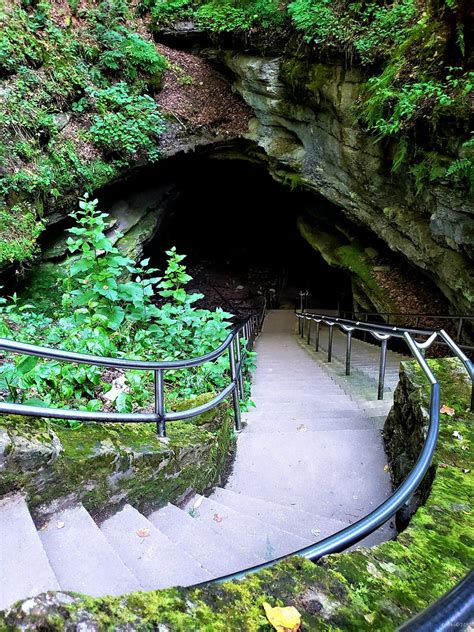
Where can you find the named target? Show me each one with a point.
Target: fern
(462, 169)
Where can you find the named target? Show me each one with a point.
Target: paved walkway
(309, 462)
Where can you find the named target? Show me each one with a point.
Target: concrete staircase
(362, 383)
(309, 462)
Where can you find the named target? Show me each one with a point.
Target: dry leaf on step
(60, 525)
(198, 502)
(302, 428)
(217, 517)
(286, 619)
(143, 533)
(447, 410)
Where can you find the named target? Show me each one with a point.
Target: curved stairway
(309, 462)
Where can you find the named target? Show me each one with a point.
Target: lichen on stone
(105, 465)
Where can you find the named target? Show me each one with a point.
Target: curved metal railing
(458, 323)
(355, 532)
(382, 333)
(233, 344)
(344, 538)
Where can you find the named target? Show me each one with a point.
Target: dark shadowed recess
(238, 228)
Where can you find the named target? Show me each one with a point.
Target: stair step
(308, 408)
(82, 558)
(260, 538)
(149, 553)
(284, 422)
(201, 542)
(24, 567)
(339, 473)
(289, 518)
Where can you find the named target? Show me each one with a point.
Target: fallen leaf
(60, 525)
(143, 533)
(447, 410)
(286, 619)
(302, 428)
(386, 468)
(457, 435)
(316, 532)
(217, 518)
(197, 503)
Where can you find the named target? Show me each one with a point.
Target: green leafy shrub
(218, 15)
(65, 76)
(108, 309)
(126, 123)
(320, 22)
(129, 53)
(19, 229)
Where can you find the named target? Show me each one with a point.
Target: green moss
(20, 227)
(76, 108)
(337, 251)
(103, 465)
(304, 79)
(367, 589)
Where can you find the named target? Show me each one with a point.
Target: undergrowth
(76, 105)
(108, 308)
(419, 91)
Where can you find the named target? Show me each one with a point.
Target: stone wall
(305, 120)
(106, 465)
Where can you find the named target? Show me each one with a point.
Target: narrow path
(307, 444)
(309, 462)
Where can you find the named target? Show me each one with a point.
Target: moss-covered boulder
(367, 589)
(105, 465)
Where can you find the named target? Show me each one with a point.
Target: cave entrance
(238, 228)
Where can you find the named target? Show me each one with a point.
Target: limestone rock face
(305, 122)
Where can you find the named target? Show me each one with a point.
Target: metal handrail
(382, 333)
(457, 320)
(387, 509)
(454, 610)
(248, 330)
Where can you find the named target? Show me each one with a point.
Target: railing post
(239, 361)
(235, 392)
(316, 343)
(460, 324)
(302, 326)
(308, 338)
(160, 403)
(330, 342)
(348, 352)
(382, 365)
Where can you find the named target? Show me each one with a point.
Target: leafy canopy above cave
(420, 82)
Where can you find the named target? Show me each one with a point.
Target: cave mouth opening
(237, 227)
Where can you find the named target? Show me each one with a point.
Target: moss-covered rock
(105, 465)
(305, 121)
(367, 589)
